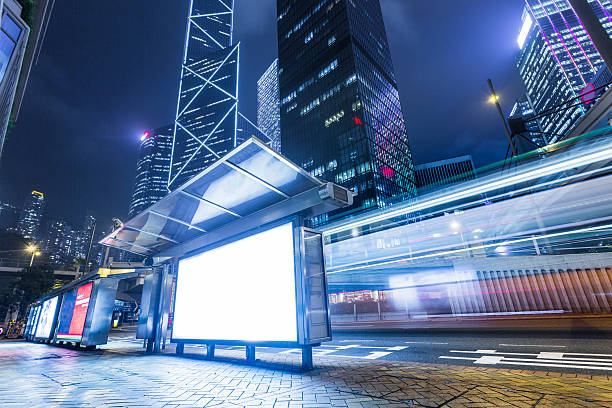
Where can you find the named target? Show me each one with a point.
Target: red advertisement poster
(80, 310)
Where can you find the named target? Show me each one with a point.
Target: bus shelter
(80, 312)
(233, 262)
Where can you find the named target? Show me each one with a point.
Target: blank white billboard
(45, 321)
(243, 291)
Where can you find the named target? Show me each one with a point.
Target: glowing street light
(494, 98)
(34, 251)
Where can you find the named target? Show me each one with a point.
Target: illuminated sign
(387, 171)
(588, 93)
(243, 291)
(527, 24)
(73, 313)
(46, 319)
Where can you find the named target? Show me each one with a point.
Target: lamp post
(495, 99)
(34, 252)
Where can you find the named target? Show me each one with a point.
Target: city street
(585, 353)
(120, 374)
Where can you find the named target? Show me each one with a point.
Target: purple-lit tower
(559, 62)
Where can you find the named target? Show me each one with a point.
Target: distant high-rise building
(558, 62)
(85, 236)
(268, 105)
(9, 217)
(207, 118)
(341, 117)
(152, 169)
(444, 172)
(31, 216)
(21, 38)
(62, 243)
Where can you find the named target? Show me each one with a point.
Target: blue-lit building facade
(268, 105)
(440, 173)
(14, 33)
(152, 169)
(341, 117)
(558, 62)
(208, 124)
(207, 109)
(523, 111)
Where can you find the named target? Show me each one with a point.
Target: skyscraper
(268, 105)
(29, 223)
(20, 43)
(9, 217)
(523, 111)
(559, 62)
(152, 169)
(207, 117)
(62, 242)
(13, 40)
(341, 117)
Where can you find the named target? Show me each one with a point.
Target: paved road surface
(583, 353)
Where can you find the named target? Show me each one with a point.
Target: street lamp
(33, 250)
(494, 98)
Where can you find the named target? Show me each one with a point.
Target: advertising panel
(34, 325)
(243, 291)
(28, 327)
(73, 313)
(46, 319)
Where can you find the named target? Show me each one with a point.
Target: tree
(31, 284)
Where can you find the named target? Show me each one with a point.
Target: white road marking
(587, 354)
(533, 363)
(489, 360)
(492, 352)
(376, 355)
(531, 345)
(549, 354)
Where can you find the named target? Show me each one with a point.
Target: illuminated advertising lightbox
(73, 313)
(46, 319)
(34, 321)
(243, 291)
(30, 322)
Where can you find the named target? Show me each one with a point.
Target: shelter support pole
(180, 348)
(250, 354)
(163, 306)
(307, 358)
(210, 351)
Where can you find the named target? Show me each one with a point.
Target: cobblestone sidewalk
(35, 375)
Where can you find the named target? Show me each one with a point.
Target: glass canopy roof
(248, 179)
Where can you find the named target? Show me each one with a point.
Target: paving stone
(125, 377)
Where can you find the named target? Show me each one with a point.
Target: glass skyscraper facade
(152, 169)
(558, 61)
(14, 34)
(268, 105)
(31, 216)
(522, 109)
(341, 117)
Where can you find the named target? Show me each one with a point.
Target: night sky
(110, 69)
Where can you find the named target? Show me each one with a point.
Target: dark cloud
(110, 69)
